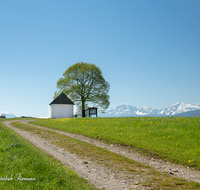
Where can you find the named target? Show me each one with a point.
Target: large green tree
(85, 85)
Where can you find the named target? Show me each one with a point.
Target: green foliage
(23, 166)
(171, 138)
(85, 84)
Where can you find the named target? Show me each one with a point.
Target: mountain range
(178, 109)
(7, 114)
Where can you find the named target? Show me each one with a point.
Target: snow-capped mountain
(7, 114)
(123, 110)
(178, 108)
(127, 110)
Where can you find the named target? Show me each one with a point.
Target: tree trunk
(83, 113)
(83, 108)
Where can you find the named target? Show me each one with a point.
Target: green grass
(20, 159)
(171, 138)
(154, 179)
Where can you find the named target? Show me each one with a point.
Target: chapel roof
(62, 99)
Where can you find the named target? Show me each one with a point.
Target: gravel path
(99, 175)
(102, 176)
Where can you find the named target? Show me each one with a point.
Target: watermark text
(16, 177)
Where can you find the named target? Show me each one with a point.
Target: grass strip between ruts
(155, 180)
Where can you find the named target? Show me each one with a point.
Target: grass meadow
(24, 166)
(115, 162)
(175, 139)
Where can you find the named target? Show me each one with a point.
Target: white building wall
(61, 111)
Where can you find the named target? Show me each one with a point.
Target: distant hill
(126, 110)
(8, 114)
(195, 113)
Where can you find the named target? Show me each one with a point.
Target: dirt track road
(99, 175)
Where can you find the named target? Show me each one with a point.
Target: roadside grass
(25, 167)
(173, 139)
(155, 180)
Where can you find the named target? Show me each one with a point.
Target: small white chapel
(61, 107)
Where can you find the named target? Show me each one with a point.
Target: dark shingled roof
(62, 99)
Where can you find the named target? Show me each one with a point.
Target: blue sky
(148, 50)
